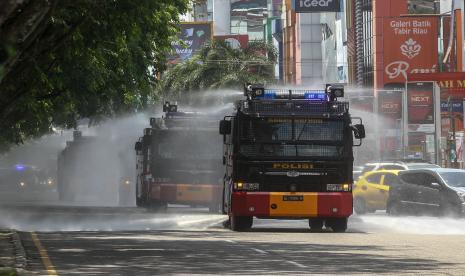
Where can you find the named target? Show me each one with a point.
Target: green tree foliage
(62, 60)
(217, 65)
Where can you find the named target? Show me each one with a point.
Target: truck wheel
(315, 223)
(157, 206)
(360, 206)
(338, 225)
(238, 223)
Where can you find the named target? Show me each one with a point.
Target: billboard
(192, 36)
(420, 106)
(390, 104)
(410, 46)
(301, 6)
(389, 107)
(235, 41)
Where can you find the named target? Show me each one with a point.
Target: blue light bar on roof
(312, 95)
(316, 95)
(269, 94)
(19, 167)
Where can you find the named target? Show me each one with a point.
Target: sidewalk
(8, 254)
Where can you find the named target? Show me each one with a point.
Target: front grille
(303, 176)
(287, 184)
(275, 150)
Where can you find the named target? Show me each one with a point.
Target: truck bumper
(190, 194)
(291, 205)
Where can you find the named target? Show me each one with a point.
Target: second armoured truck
(288, 154)
(179, 161)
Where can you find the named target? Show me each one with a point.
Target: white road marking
(230, 241)
(296, 264)
(259, 251)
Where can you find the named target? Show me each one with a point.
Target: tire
(238, 223)
(139, 201)
(338, 225)
(315, 224)
(394, 209)
(360, 206)
(450, 210)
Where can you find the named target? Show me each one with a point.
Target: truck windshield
(192, 145)
(292, 137)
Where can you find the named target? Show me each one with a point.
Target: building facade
(403, 45)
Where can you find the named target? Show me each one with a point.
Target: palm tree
(218, 65)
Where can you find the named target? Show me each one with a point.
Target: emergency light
(312, 95)
(19, 167)
(315, 95)
(330, 94)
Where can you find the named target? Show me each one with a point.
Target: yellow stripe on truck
(290, 208)
(194, 193)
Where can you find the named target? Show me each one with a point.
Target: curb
(20, 253)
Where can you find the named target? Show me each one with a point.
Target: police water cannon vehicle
(288, 154)
(179, 160)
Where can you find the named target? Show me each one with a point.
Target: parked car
(371, 191)
(397, 165)
(357, 172)
(434, 191)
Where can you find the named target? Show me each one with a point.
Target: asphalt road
(130, 241)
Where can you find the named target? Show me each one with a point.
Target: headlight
(50, 182)
(22, 184)
(244, 186)
(127, 182)
(338, 187)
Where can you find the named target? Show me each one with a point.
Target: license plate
(293, 198)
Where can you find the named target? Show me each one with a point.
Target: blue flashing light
(19, 167)
(312, 95)
(269, 94)
(315, 95)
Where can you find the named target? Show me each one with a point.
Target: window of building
(423, 6)
(368, 74)
(247, 18)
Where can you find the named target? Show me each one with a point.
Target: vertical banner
(192, 36)
(423, 121)
(390, 105)
(390, 122)
(420, 106)
(410, 46)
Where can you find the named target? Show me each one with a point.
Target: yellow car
(371, 190)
